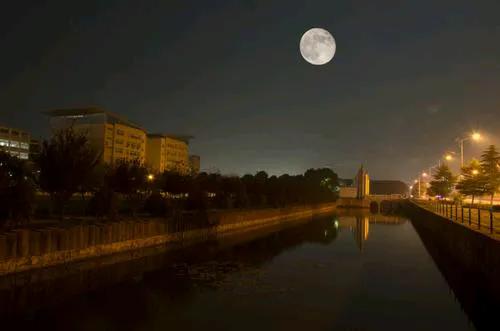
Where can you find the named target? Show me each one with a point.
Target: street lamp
(417, 181)
(448, 157)
(476, 136)
(151, 177)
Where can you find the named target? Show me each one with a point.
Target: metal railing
(477, 217)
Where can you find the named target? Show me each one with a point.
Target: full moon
(317, 46)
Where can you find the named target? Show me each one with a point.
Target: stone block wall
(25, 249)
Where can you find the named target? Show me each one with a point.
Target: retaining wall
(25, 249)
(476, 253)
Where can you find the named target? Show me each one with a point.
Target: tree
(471, 182)
(443, 182)
(320, 185)
(17, 188)
(130, 179)
(415, 191)
(490, 171)
(65, 163)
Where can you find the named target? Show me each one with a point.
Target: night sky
(408, 77)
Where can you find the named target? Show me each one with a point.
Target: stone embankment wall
(472, 253)
(25, 249)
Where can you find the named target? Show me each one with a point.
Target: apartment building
(166, 152)
(15, 142)
(111, 135)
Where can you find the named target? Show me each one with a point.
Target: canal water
(350, 271)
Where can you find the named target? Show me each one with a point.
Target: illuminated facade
(362, 183)
(15, 142)
(166, 152)
(114, 137)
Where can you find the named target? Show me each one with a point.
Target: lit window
(14, 144)
(23, 156)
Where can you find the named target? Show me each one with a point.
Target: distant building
(344, 182)
(388, 187)
(111, 135)
(348, 192)
(362, 183)
(194, 164)
(167, 152)
(15, 142)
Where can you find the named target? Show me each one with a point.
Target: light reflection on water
(349, 271)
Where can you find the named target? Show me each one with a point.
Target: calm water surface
(354, 272)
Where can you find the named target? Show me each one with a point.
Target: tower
(362, 183)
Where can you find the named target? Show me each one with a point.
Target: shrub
(17, 189)
(156, 205)
(104, 203)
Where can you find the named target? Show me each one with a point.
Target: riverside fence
(478, 217)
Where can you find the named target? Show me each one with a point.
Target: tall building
(167, 152)
(194, 164)
(111, 135)
(15, 142)
(362, 183)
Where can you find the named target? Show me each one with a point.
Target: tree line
(68, 167)
(478, 178)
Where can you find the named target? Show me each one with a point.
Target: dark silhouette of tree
(471, 182)
(321, 184)
(175, 183)
(65, 163)
(129, 178)
(490, 171)
(17, 189)
(443, 182)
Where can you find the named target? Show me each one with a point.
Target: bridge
(358, 195)
(374, 202)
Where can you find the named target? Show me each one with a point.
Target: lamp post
(417, 181)
(476, 136)
(449, 156)
(424, 175)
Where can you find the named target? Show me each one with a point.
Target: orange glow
(476, 136)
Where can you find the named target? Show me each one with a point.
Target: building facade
(362, 183)
(15, 142)
(194, 164)
(113, 137)
(388, 187)
(166, 152)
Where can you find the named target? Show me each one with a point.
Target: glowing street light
(475, 172)
(448, 157)
(151, 177)
(475, 136)
(424, 174)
